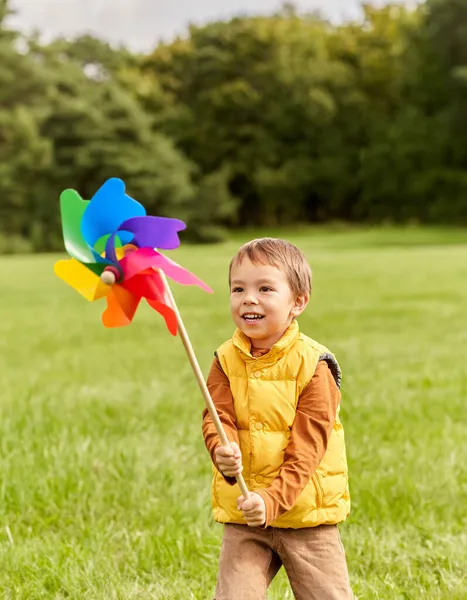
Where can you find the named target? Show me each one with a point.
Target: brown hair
(280, 254)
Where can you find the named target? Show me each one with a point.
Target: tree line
(255, 121)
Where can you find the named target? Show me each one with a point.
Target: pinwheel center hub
(110, 275)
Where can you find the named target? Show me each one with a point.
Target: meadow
(104, 478)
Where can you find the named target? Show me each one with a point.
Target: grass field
(105, 482)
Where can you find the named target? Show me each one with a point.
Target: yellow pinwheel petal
(80, 278)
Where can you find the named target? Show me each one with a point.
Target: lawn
(105, 481)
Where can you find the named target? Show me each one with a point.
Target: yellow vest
(265, 391)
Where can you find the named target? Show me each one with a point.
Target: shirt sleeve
(219, 388)
(312, 427)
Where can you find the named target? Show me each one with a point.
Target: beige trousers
(313, 558)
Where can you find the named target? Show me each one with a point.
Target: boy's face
(262, 302)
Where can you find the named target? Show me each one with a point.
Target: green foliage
(319, 122)
(213, 203)
(72, 126)
(257, 121)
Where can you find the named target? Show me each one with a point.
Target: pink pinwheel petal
(179, 274)
(134, 262)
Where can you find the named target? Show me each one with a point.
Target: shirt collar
(243, 345)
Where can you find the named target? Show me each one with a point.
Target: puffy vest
(266, 391)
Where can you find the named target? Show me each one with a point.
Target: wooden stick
(201, 382)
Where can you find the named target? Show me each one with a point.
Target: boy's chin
(254, 335)
(248, 331)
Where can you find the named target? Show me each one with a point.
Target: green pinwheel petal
(97, 268)
(99, 246)
(72, 208)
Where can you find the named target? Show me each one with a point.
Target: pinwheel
(112, 244)
(114, 253)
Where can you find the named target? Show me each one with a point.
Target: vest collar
(243, 345)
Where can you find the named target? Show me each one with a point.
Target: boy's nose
(250, 299)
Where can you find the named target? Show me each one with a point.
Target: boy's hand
(254, 509)
(229, 459)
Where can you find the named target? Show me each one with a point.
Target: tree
(23, 151)
(252, 96)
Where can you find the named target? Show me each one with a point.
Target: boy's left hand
(254, 509)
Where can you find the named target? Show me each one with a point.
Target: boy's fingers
(247, 506)
(256, 523)
(236, 449)
(252, 512)
(253, 519)
(230, 462)
(239, 502)
(250, 505)
(225, 451)
(231, 472)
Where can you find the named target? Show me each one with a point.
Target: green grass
(105, 481)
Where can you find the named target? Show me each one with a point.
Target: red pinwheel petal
(121, 307)
(168, 314)
(148, 284)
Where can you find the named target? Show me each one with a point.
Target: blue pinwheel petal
(106, 211)
(110, 252)
(153, 232)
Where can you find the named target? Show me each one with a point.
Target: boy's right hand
(229, 459)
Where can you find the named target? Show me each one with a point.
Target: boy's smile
(262, 303)
(252, 318)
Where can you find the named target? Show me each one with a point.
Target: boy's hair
(280, 254)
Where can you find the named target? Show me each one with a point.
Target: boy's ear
(300, 304)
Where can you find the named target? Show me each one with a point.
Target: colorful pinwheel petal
(128, 268)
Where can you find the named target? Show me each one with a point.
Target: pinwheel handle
(201, 382)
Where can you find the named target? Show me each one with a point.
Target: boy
(277, 395)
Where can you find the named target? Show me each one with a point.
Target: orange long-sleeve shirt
(314, 420)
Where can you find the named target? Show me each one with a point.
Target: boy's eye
(265, 288)
(236, 290)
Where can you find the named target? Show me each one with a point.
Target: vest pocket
(319, 491)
